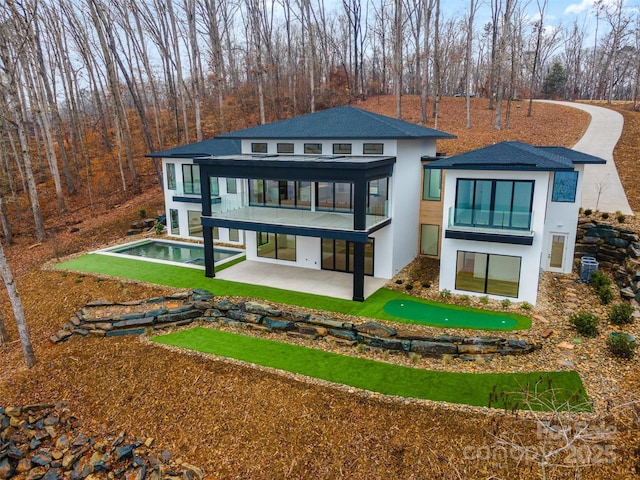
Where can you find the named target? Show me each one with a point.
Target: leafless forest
(89, 86)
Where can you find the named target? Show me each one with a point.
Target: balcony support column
(359, 223)
(207, 230)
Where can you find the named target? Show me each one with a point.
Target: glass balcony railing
(233, 207)
(501, 221)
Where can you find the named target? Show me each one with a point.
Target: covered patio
(298, 279)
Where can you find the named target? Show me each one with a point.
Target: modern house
(503, 214)
(337, 190)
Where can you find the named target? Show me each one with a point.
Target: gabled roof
(213, 146)
(515, 156)
(340, 123)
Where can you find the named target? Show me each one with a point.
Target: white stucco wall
(562, 219)
(530, 254)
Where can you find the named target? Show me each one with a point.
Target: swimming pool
(172, 252)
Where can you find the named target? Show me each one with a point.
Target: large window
(487, 273)
(432, 184)
(275, 193)
(171, 176)
(191, 179)
(174, 221)
(234, 235)
(564, 186)
(276, 245)
(214, 185)
(338, 255)
(429, 239)
(195, 224)
(335, 197)
(377, 196)
(494, 203)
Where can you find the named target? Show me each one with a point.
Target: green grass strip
(183, 277)
(465, 388)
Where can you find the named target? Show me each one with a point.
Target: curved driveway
(601, 188)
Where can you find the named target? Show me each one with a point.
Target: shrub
(484, 300)
(588, 212)
(605, 293)
(621, 346)
(620, 218)
(464, 298)
(621, 314)
(605, 215)
(445, 293)
(506, 303)
(398, 282)
(409, 287)
(426, 285)
(586, 323)
(598, 279)
(526, 306)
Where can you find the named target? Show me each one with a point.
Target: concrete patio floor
(297, 279)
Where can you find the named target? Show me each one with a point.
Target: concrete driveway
(602, 189)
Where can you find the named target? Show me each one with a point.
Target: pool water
(173, 252)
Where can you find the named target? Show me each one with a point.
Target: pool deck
(298, 279)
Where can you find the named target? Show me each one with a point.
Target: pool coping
(107, 252)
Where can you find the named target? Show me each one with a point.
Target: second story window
(313, 148)
(342, 148)
(373, 149)
(258, 148)
(285, 148)
(171, 176)
(191, 179)
(505, 204)
(431, 184)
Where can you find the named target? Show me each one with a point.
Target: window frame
(172, 184)
(285, 148)
(342, 148)
(372, 148)
(557, 194)
(259, 147)
(313, 148)
(194, 187)
(489, 287)
(427, 184)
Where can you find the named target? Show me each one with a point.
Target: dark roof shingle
(213, 146)
(340, 123)
(515, 156)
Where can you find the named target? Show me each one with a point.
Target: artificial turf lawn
(443, 316)
(183, 277)
(466, 388)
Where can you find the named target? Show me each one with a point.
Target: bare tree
(539, 28)
(473, 7)
(18, 312)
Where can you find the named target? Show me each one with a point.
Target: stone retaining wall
(616, 249)
(46, 442)
(102, 318)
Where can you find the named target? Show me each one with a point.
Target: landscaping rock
(262, 309)
(244, 316)
(280, 325)
(376, 329)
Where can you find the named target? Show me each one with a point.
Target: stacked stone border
(46, 441)
(616, 249)
(145, 316)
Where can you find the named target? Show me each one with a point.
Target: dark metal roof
(213, 146)
(515, 156)
(340, 123)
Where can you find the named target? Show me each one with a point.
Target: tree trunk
(18, 312)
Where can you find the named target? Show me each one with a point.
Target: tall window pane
(471, 271)
(503, 201)
(324, 195)
(256, 192)
(378, 196)
(464, 202)
(429, 239)
(266, 245)
(195, 225)
(431, 185)
(303, 194)
(232, 185)
(522, 198)
(191, 179)
(503, 275)
(171, 176)
(286, 247)
(175, 221)
(272, 193)
(214, 186)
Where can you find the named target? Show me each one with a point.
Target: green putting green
(561, 390)
(444, 316)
